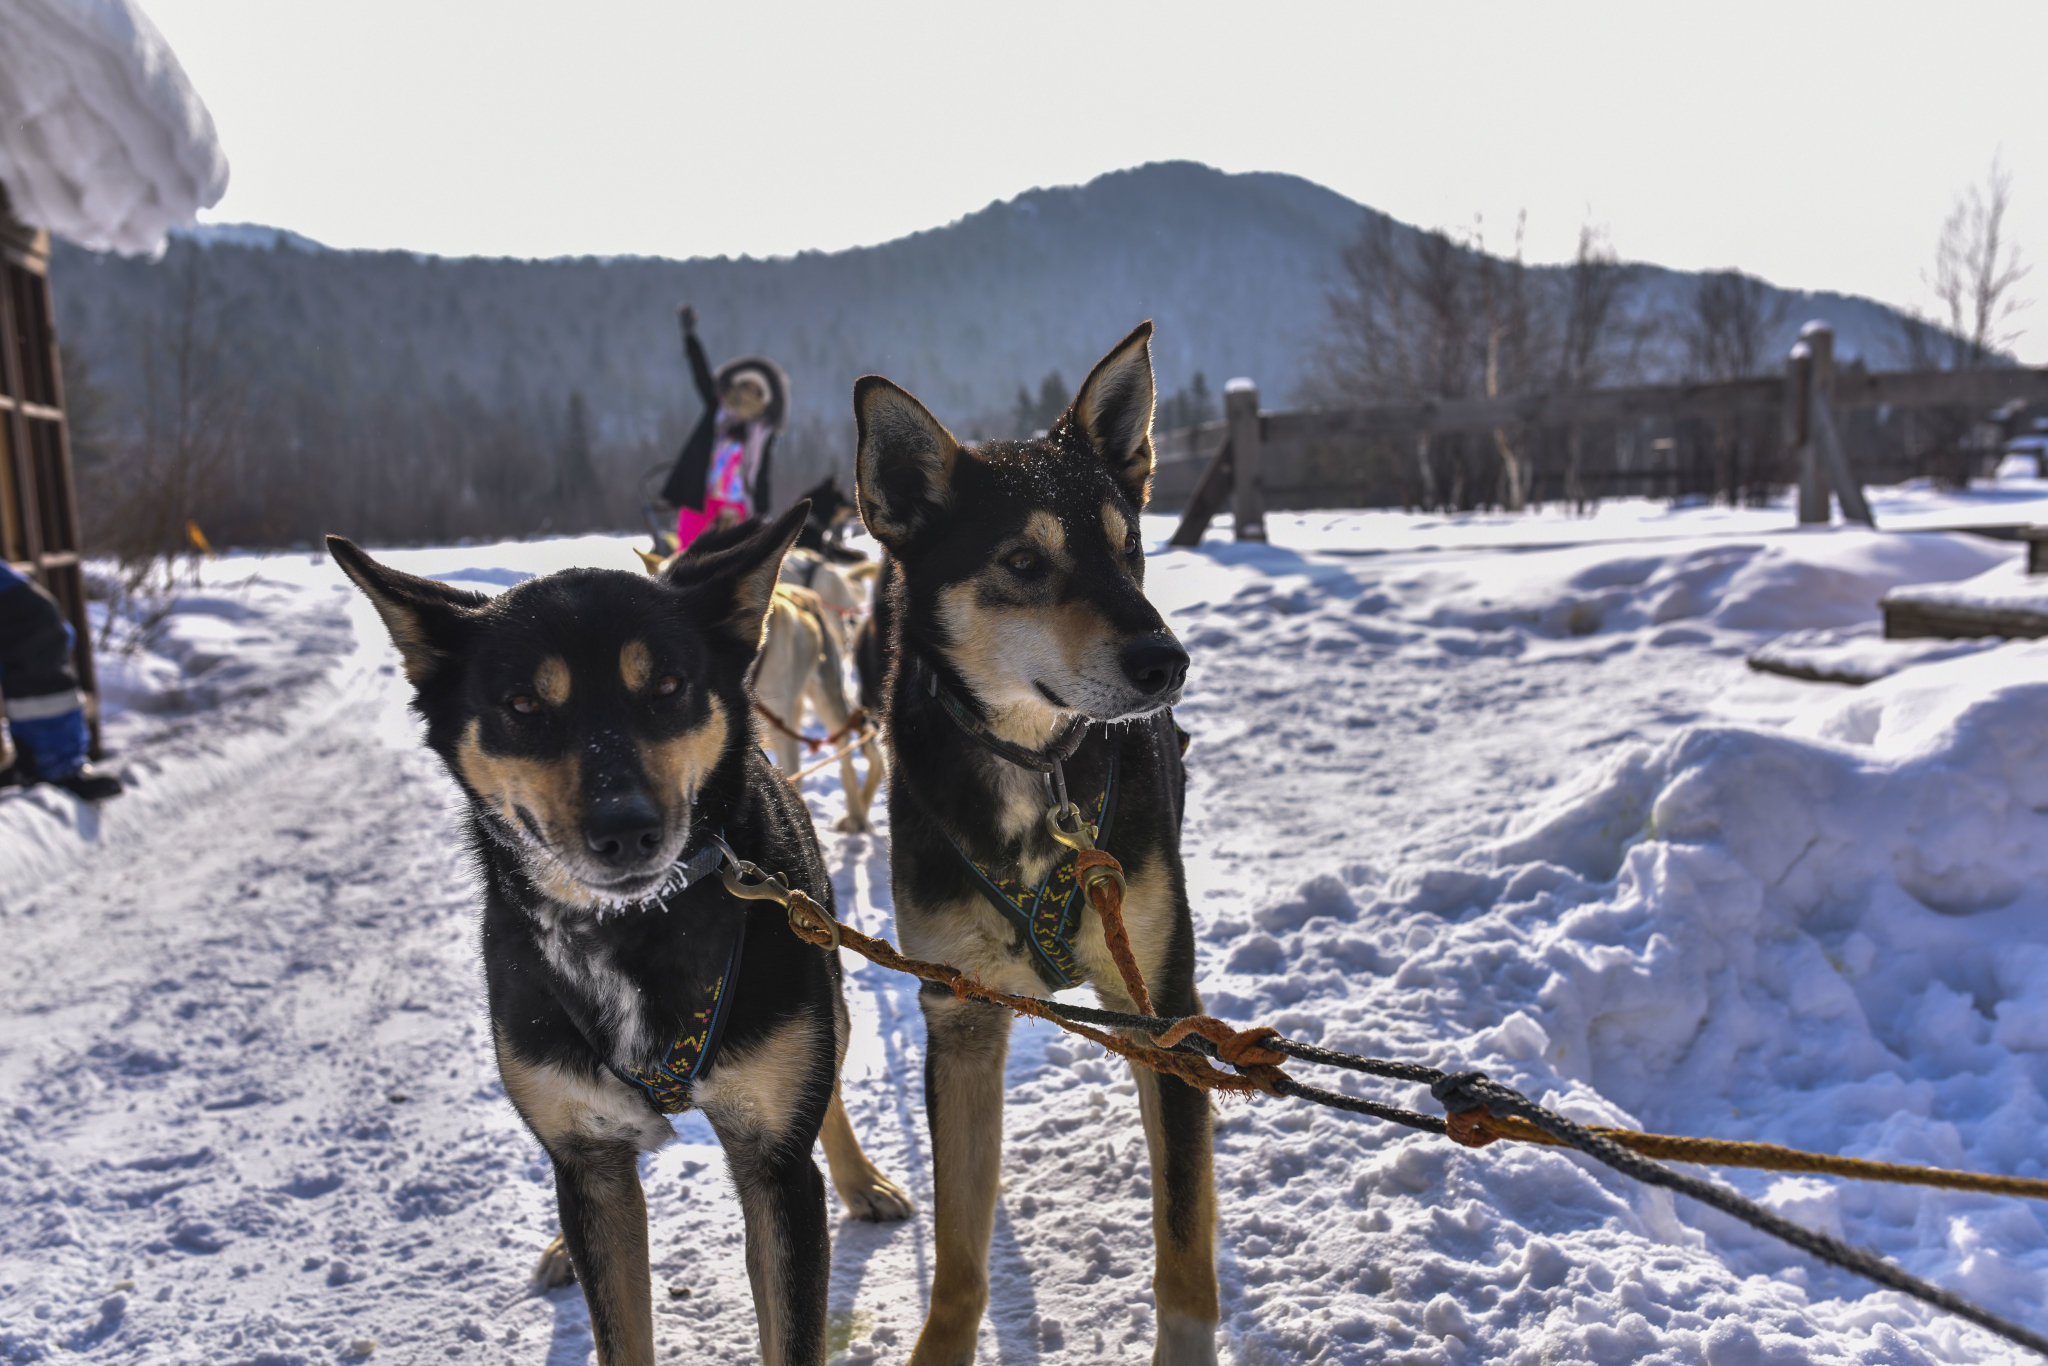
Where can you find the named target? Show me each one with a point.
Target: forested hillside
(288, 389)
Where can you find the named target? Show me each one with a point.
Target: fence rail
(1349, 457)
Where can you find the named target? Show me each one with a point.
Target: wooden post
(1823, 437)
(1241, 410)
(2036, 538)
(1820, 344)
(1813, 486)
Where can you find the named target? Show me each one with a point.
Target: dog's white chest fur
(587, 966)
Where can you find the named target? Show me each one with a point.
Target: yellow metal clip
(1064, 824)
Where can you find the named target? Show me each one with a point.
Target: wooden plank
(26, 532)
(1482, 415)
(1939, 388)
(1855, 508)
(1206, 500)
(1726, 399)
(1957, 621)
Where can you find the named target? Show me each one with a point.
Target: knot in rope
(1466, 1117)
(1244, 1049)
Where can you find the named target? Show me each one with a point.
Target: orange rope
(1103, 876)
(1259, 1069)
(810, 923)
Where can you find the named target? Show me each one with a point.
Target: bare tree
(1403, 327)
(1975, 272)
(1733, 319)
(1727, 335)
(1401, 320)
(1510, 349)
(1595, 291)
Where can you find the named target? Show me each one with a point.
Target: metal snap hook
(766, 889)
(1065, 825)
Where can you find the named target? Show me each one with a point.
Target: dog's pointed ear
(1114, 411)
(427, 619)
(737, 584)
(652, 562)
(904, 474)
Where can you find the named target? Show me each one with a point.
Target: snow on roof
(102, 139)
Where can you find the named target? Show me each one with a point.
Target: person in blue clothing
(44, 709)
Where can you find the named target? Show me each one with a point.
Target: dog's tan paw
(851, 824)
(554, 1269)
(877, 1199)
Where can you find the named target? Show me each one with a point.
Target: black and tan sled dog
(1022, 639)
(599, 725)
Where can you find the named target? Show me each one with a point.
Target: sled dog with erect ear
(1020, 639)
(598, 722)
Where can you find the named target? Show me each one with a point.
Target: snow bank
(1783, 583)
(102, 139)
(1833, 937)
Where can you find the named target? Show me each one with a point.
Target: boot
(88, 784)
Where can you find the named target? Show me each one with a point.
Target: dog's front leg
(789, 1249)
(604, 1220)
(1178, 1139)
(967, 1044)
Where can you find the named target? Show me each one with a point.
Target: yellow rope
(1718, 1152)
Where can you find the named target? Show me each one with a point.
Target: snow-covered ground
(1479, 791)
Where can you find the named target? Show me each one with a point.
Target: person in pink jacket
(721, 476)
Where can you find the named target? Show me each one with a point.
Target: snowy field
(1483, 791)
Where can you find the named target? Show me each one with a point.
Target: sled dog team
(605, 730)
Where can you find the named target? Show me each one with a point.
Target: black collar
(1060, 749)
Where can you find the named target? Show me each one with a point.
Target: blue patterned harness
(1050, 913)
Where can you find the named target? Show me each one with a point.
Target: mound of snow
(1833, 937)
(102, 139)
(1828, 579)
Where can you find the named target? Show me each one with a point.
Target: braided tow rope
(1480, 1111)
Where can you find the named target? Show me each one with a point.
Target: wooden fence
(1739, 437)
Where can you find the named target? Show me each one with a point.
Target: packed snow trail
(1522, 811)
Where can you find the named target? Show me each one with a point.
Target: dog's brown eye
(524, 705)
(1132, 546)
(1023, 561)
(667, 686)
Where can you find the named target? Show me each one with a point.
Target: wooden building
(38, 504)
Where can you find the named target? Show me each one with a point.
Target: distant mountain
(246, 235)
(1234, 269)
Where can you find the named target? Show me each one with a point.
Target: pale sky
(1817, 145)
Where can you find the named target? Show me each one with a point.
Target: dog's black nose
(1155, 664)
(623, 830)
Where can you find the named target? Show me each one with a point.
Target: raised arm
(700, 368)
